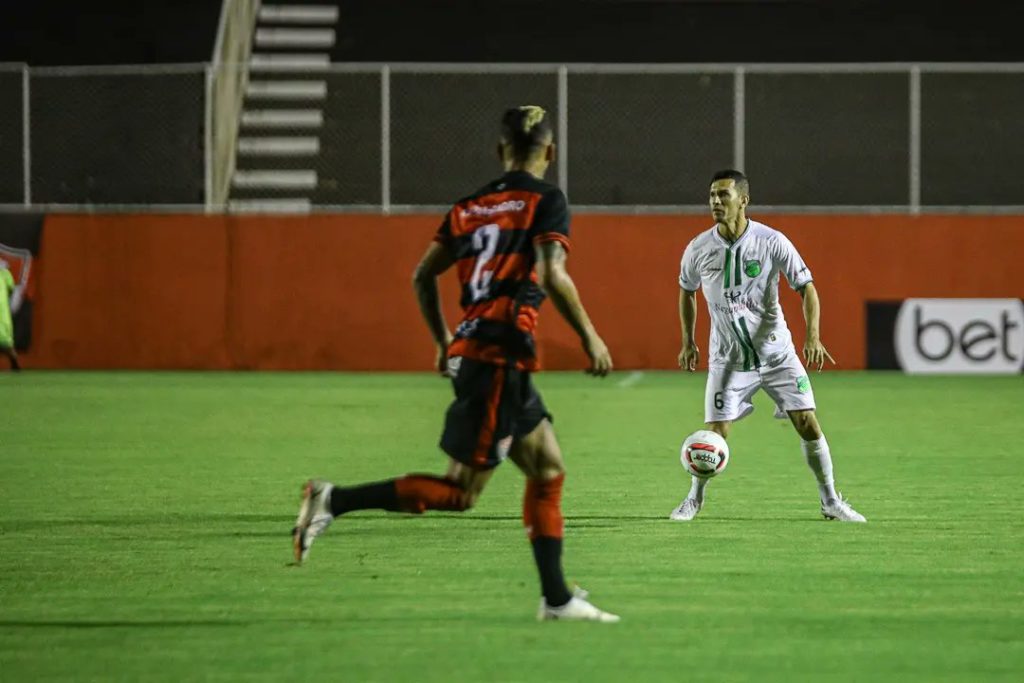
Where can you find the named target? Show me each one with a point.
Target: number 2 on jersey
(485, 244)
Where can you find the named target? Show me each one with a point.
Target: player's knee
(462, 495)
(806, 425)
(551, 470)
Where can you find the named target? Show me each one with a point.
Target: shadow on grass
(199, 518)
(213, 524)
(122, 623)
(158, 624)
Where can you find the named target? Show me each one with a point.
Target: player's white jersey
(741, 285)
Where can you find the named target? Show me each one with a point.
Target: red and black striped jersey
(492, 235)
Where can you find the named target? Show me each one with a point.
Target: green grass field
(144, 523)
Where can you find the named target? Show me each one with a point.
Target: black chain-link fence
(828, 139)
(12, 138)
(972, 139)
(117, 137)
(444, 129)
(896, 138)
(643, 139)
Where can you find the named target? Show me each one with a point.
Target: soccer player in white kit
(737, 263)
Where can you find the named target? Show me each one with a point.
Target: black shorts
(493, 406)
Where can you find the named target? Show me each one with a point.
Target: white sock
(820, 461)
(697, 489)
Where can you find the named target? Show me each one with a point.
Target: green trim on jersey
(746, 345)
(746, 337)
(733, 268)
(743, 346)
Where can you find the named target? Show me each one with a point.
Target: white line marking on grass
(632, 379)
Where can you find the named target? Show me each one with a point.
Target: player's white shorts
(729, 393)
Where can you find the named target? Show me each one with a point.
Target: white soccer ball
(704, 454)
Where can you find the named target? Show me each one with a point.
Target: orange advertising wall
(334, 292)
(130, 292)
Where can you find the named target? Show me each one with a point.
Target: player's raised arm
(689, 355)
(555, 280)
(436, 259)
(815, 352)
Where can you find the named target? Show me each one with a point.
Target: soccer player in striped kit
(508, 242)
(737, 263)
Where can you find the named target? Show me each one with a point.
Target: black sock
(547, 552)
(381, 495)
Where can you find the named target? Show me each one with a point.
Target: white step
(287, 90)
(282, 118)
(272, 61)
(275, 180)
(279, 147)
(296, 205)
(295, 37)
(299, 14)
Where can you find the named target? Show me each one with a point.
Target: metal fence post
(385, 139)
(739, 119)
(26, 135)
(563, 128)
(208, 139)
(915, 140)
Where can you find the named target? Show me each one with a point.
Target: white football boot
(577, 609)
(686, 511)
(314, 516)
(840, 509)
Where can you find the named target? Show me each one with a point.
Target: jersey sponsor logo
(466, 328)
(752, 268)
(960, 336)
(504, 207)
(738, 303)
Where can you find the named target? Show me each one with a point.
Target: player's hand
(815, 354)
(441, 358)
(600, 358)
(689, 357)
(441, 361)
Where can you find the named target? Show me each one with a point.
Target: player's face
(726, 203)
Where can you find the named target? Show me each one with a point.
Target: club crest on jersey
(752, 268)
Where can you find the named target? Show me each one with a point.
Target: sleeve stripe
(553, 237)
(802, 283)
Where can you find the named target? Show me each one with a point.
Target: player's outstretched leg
(819, 459)
(540, 458)
(694, 501)
(322, 501)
